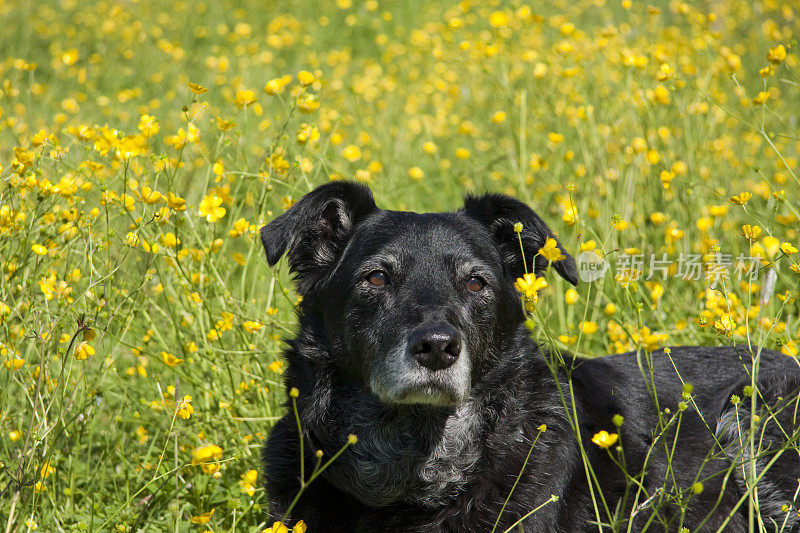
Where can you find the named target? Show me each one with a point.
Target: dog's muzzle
(429, 367)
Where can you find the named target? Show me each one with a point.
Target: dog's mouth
(432, 393)
(407, 383)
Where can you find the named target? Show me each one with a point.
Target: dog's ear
(316, 229)
(500, 213)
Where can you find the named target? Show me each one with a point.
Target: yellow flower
(250, 476)
(771, 246)
(499, 117)
(83, 351)
(149, 196)
(210, 207)
(206, 453)
(245, 98)
(307, 103)
(587, 328)
(148, 125)
(571, 296)
(705, 223)
(725, 325)
(71, 56)
(279, 527)
(203, 518)
(788, 249)
(176, 203)
(276, 366)
(225, 125)
(791, 349)
(639, 144)
(666, 178)
(351, 153)
(661, 95)
(498, 19)
(416, 173)
(665, 72)
(170, 360)
(218, 169)
(185, 408)
(170, 240)
(240, 227)
(462, 153)
(192, 133)
(38, 249)
(776, 55)
(276, 85)
(551, 251)
(196, 88)
(13, 364)
(529, 285)
(248, 481)
(251, 326)
(761, 98)
(307, 134)
(305, 77)
(749, 232)
(604, 439)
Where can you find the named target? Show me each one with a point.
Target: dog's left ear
(500, 213)
(316, 229)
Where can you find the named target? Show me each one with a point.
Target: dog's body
(412, 337)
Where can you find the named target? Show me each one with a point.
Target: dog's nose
(435, 346)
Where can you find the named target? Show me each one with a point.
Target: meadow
(143, 144)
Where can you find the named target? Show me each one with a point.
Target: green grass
(389, 78)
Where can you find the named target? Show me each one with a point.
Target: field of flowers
(144, 143)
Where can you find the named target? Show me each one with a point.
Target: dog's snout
(435, 346)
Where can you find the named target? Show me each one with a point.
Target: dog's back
(687, 421)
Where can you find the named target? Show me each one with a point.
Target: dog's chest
(415, 458)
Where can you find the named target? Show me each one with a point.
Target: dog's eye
(378, 278)
(475, 283)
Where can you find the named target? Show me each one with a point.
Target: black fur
(440, 450)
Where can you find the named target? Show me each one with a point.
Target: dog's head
(414, 306)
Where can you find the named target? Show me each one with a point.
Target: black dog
(412, 337)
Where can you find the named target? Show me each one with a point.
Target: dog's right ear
(316, 229)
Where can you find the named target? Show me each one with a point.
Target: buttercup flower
(529, 285)
(210, 208)
(202, 518)
(84, 350)
(185, 408)
(604, 439)
(170, 360)
(551, 251)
